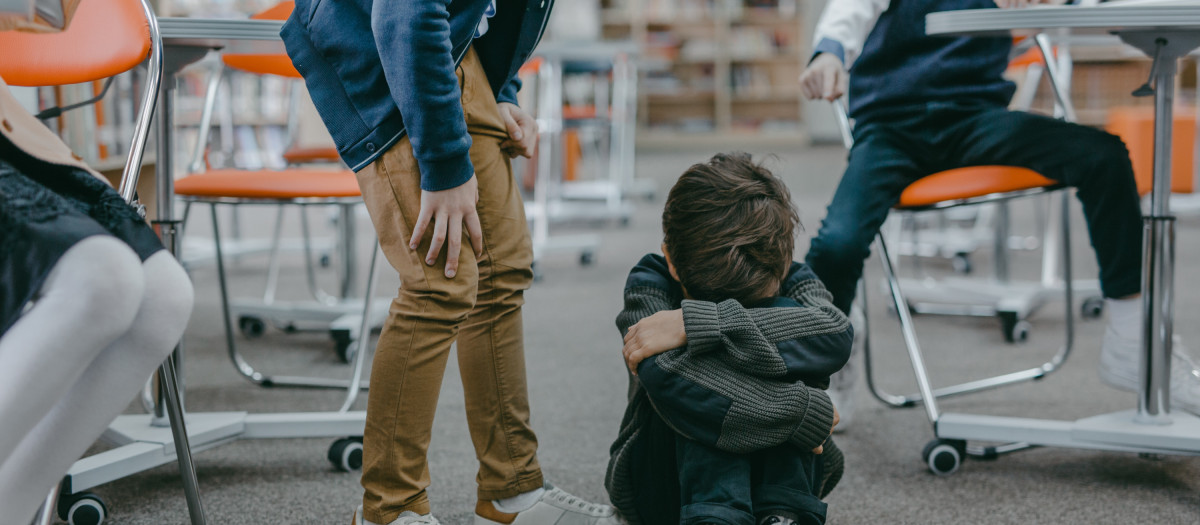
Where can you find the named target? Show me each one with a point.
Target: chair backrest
(105, 38)
(265, 64)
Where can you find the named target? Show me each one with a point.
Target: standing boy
(420, 98)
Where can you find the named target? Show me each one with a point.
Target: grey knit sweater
(748, 379)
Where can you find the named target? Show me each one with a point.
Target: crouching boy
(729, 345)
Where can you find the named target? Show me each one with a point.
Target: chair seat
(970, 182)
(269, 184)
(316, 154)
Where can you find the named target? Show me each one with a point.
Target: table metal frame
(1166, 33)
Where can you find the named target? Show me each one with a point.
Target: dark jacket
(903, 70)
(748, 379)
(377, 70)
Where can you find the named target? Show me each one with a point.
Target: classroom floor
(577, 385)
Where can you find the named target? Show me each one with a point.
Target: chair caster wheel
(1015, 330)
(252, 327)
(325, 260)
(84, 508)
(944, 456)
(345, 346)
(961, 262)
(587, 258)
(1093, 308)
(346, 454)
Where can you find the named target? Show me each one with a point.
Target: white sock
(1125, 317)
(520, 502)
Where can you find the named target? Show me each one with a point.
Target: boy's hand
(449, 210)
(522, 131)
(652, 336)
(825, 78)
(837, 418)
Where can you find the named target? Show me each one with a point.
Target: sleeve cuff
(438, 175)
(818, 421)
(509, 92)
(829, 45)
(702, 324)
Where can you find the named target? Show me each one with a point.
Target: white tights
(102, 323)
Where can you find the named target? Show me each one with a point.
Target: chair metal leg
(907, 327)
(310, 273)
(183, 451)
(273, 258)
(364, 334)
(239, 363)
(910, 336)
(45, 515)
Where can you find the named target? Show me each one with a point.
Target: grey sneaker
(406, 518)
(557, 506)
(843, 385)
(776, 520)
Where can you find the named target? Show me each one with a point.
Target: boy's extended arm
(706, 400)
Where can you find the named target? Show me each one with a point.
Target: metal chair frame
(901, 304)
(326, 306)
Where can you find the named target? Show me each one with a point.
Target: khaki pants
(480, 308)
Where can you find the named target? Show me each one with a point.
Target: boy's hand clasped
(522, 131)
(652, 336)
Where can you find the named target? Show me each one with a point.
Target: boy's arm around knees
(801, 335)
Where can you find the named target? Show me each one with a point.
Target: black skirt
(44, 210)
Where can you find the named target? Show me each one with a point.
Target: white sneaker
(554, 507)
(406, 518)
(1120, 361)
(842, 385)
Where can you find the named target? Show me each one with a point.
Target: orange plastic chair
(280, 65)
(1135, 126)
(963, 186)
(73, 56)
(105, 38)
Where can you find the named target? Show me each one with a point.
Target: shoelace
(594, 509)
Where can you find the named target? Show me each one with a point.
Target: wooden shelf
(749, 90)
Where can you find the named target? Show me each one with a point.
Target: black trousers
(738, 489)
(891, 153)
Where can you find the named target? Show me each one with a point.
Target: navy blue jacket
(902, 69)
(377, 70)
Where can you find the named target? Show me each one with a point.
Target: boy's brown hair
(729, 229)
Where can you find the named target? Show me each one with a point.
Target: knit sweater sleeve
(801, 335)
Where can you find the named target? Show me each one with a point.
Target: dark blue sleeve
(688, 408)
(813, 358)
(509, 92)
(413, 39)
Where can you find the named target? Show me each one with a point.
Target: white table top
(1115, 16)
(234, 35)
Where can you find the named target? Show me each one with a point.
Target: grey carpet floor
(577, 386)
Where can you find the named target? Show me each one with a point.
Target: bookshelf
(714, 70)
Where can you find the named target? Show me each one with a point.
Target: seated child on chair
(729, 344)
